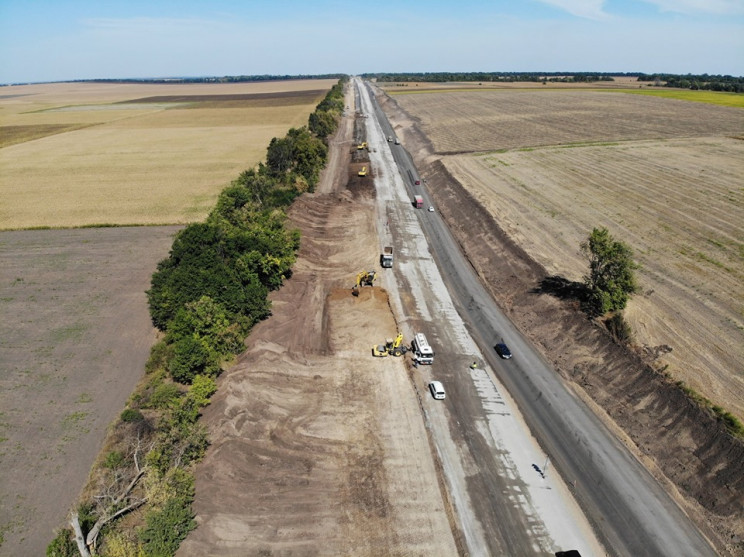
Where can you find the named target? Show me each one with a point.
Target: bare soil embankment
(682, 444)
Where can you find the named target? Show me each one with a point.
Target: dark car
(503, 350)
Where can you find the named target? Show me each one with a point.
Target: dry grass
(130, 164)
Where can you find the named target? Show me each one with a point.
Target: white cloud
(589, 9)
(716, 7)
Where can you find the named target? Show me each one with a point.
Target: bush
(167, 528)
(165, 395)
(63, 545)
(114, 460)
(190, 358)
(159, 355)
(619, 328)
(131, 415)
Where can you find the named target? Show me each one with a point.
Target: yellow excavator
(365, 278)
(390, 348)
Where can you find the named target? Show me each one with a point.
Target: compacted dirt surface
(309, 454)
(689, 452)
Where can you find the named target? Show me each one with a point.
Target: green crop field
(710, 97)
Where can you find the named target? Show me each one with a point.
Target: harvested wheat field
(662, 175)
(86, 154)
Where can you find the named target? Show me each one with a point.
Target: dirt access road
(310, 455)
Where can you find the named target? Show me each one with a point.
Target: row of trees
(437, 77)
(702, 81)
(204, 297)
(726, 83)
(215, 79)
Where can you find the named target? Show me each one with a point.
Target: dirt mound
(681, 443)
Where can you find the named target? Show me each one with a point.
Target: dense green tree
(322, 123)
(190, 358)
(208, 322)
(611, 279)
(280, 154)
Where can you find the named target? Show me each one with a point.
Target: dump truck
(386, 257)
(363, 171)
(418, 201)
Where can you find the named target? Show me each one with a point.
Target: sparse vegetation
(619, 328)
(731, 422)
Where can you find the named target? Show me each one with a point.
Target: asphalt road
(629, 511)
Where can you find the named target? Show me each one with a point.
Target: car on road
(431, 209)
(437, 390)
(503, 350)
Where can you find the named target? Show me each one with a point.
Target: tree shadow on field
(563, 289)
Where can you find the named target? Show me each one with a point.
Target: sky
(59, 40)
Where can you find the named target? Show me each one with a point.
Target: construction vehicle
(362, 145)
(363, 171)
(365, 278)
(386, 257)
(390, 348)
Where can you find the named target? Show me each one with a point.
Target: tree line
(702, 81)
(504, 77)
(204, 297)
(707, 82)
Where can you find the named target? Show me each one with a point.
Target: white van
(437, 390)
(422, 351)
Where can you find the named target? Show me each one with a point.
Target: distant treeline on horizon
(724, 83)
(212, 79)
(703, 81)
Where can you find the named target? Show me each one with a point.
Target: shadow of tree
(562, 288)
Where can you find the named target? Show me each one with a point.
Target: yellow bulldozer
(390, 348)
(365, 278)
